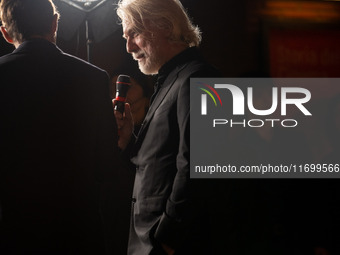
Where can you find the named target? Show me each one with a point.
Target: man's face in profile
(146, 48)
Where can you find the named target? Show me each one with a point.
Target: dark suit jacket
(58, 144)
(165, 204)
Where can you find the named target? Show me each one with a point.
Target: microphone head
(122, 85)
(122, 78)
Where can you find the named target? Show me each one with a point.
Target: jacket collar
(37, 46)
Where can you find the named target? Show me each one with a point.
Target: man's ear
(6, 35)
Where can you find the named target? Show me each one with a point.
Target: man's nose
(131, 46)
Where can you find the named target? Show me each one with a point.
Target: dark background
(248, 38)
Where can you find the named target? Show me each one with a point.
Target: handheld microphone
(122, 86)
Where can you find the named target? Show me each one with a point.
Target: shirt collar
(178, 60)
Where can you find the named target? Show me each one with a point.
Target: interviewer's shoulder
(82, 66)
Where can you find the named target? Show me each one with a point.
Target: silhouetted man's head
(26, 19)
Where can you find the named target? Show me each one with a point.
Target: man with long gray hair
(168, 209)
